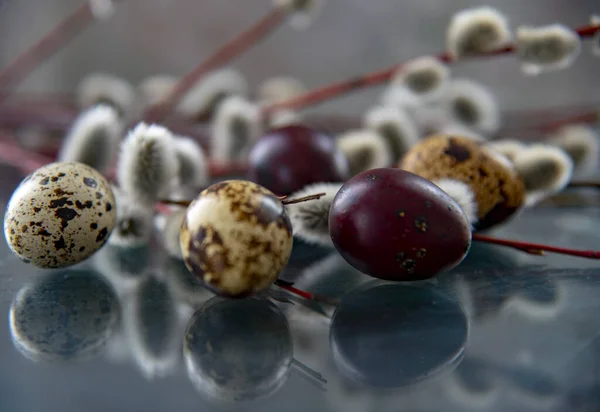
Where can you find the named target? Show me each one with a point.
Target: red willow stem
(334, 90)
(535, 248)
(227, 52)
(58, 37)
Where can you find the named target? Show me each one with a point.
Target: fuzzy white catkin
(365, 149)
(461, 130)
(303, 12)
(477, 30)
(134, 224)
(462, 195)
(472, 104)
(153, 89)
(425, 77)
(105, 88)
(507, 147)
(204, 97)
(545, 170)
(546, 48)
(192, 163)
(102, 9)
(147, 166)
(169, 227)
(278, 89)
(310, 220)
(93, 138)
(284, 117)
(235, 127)
(395, 126)
(582, 144)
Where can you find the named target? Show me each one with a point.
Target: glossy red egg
(394, 225)
(289, 158)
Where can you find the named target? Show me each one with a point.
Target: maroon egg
(395, 225)
(287, 159)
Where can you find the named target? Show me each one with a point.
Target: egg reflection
(238, 350)
(392, 335)
(64, 316)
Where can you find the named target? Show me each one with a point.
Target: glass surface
(132, 331)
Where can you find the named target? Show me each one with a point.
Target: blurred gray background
(349, 37)
(148, 37)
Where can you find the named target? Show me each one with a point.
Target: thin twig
(334, 90)
(227, 52)
(535, 248)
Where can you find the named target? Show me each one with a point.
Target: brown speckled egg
(236, 238)
(498, 190)
(59, 215)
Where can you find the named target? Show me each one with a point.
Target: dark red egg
(394, 225)
(289, 158)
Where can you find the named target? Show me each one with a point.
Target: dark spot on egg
(421, 224)
(54, 179)
(82, 248)
(43, 233)
(102, 235)
(65, 214)
(37, 209)
(99, 195)
(45, 181)
(94, 226)
(60, 202)
(60, 243)
(87, 205)
(459, 152)
(108, 207)
(89, 182)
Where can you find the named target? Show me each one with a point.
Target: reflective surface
(131, 330)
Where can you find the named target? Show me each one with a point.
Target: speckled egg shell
(59, 215)
(499, 192)
(236, 238)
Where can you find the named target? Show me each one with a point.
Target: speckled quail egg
(236, 237)
(59, 215)
(498, 190)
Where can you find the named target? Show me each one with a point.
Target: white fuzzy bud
(310, 220)
(547, 48)
(147, 167)
(105, 88)
(395, 126)
(204, 98)
(477, 30)
(462, 194)
(507, 147)
(155, 88)
(134, 222)
(235, 127)
(93, 138)
(365, 150)
(425, 77)
(582, 144)
(544, 169)
(279, 89)
(192, 164)
(473, 105)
